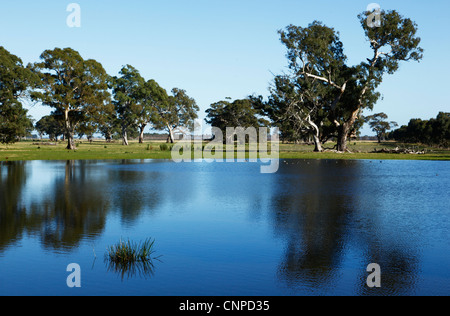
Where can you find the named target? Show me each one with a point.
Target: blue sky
(216, 49)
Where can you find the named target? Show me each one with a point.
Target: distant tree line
(86, 100)
(435, 131)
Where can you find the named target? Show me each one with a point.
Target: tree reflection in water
(13, 217)
(317, 208)
(72, 207)
(334, 217)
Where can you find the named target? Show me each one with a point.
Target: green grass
(364, 150)
(100, 150)
(97, 150)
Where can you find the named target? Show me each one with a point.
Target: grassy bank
(99, 150)
(96, 150)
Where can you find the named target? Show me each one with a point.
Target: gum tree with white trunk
(71, 85)
(315, 53)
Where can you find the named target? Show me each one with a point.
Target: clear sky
(227, 48)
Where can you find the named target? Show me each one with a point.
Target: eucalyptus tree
(51, 125)
(15, 81)
(107, 122)
(306, 98)
(127, 91)
(14, 122)
(71, 85)
(177, 114)
(87, 128)
(317, 53)
(243, 113)
(440, 129)
(300, 110)
(300, 100)
(152, 97)
(392, 42)
(379, 124)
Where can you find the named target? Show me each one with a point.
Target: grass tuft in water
(131, 252)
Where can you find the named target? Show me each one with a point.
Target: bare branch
(323, 79)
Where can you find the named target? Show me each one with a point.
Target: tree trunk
(344, 130)
(141, 133)
(316, 135)
(342, 138)
(71, 142)
(124, 136)
(171, 137)
(380, 137)
(108, 137)
(69, 132)
(317, 144)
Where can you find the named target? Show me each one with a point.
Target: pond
(224, 229)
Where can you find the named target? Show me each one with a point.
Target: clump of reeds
(125, 252)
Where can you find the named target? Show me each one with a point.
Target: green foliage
(152, 98)
(126, 90)
(15, 80)
(74, 87)
(14, 122)
(379, 124)
(175, 113)
(432, 132)
(323, 95)
(52, 125)
(239, 113)
(139, 103)
(395, 40)
(316, 48)
(106, 121)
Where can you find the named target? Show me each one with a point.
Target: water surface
(312, 228)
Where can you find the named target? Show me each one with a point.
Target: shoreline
(29, 151)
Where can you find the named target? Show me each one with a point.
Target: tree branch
(322, 79)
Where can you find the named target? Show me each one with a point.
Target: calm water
(225, 229)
